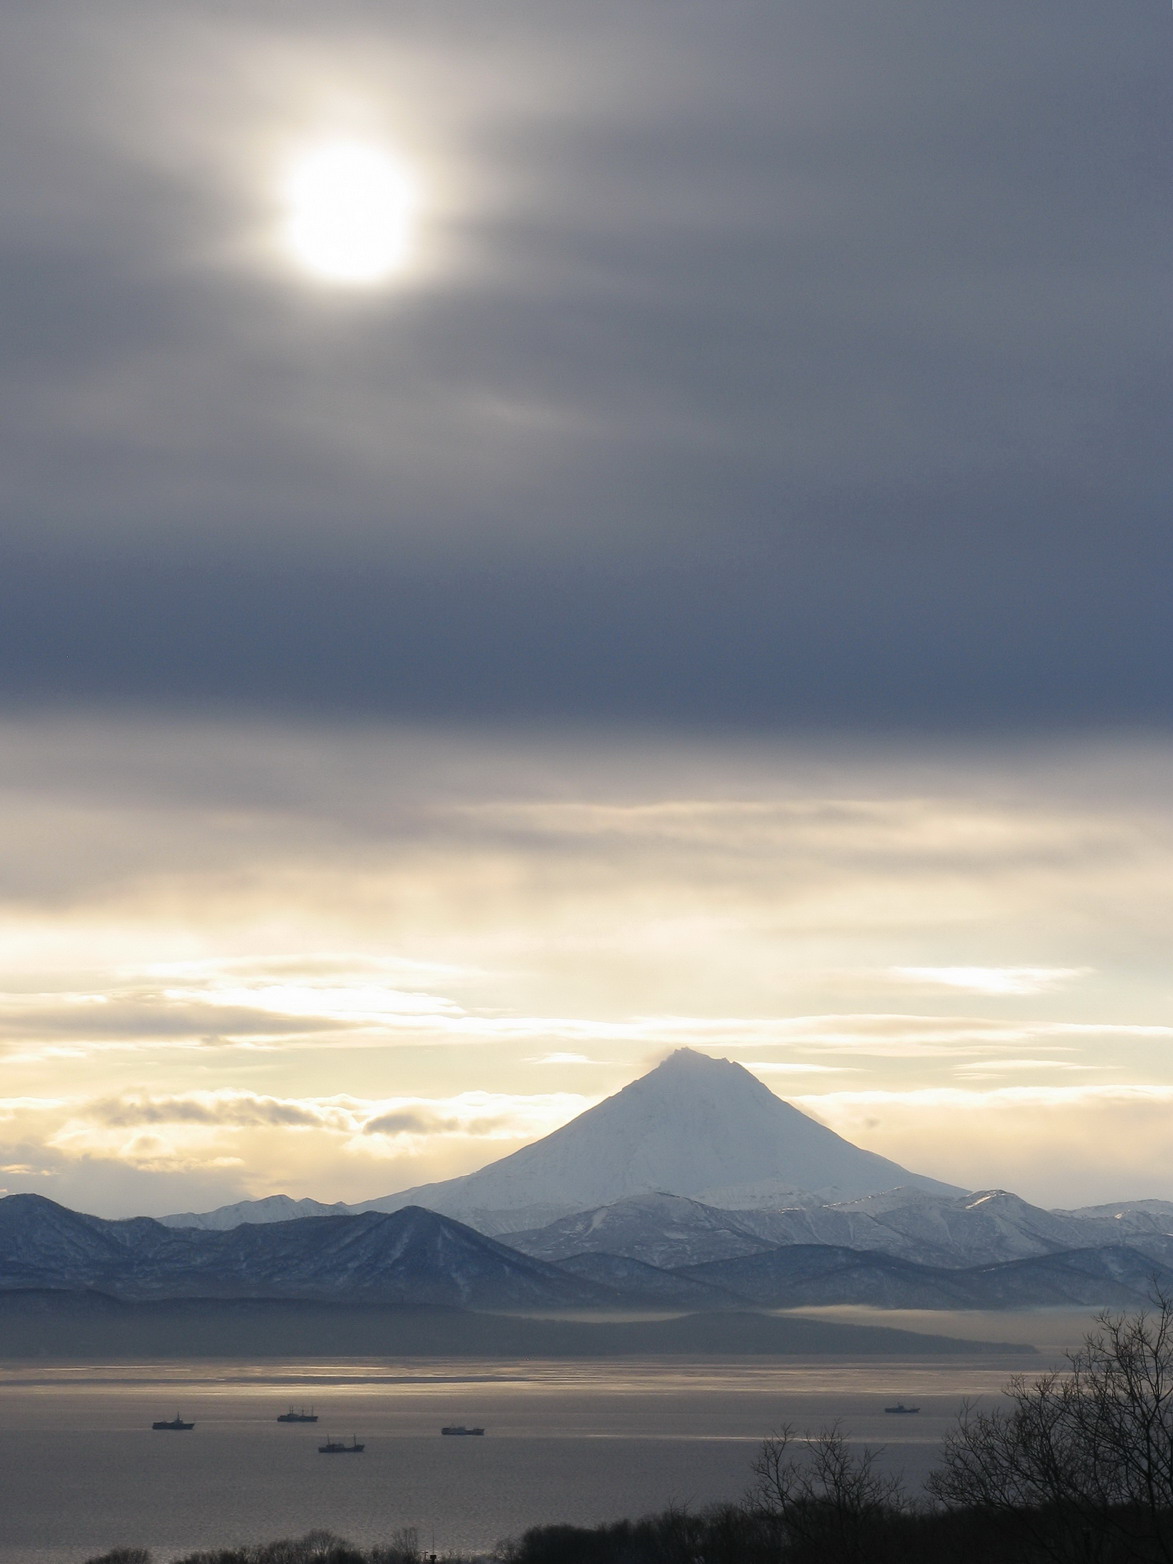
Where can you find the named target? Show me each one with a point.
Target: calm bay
(82, 1471)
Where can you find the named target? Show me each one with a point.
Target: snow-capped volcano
(692, 1125)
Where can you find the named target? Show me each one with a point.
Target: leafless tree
(824, 1497)
(1084, 1458)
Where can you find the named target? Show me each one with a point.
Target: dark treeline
(732, 1534)
(319, 1547)
(1074, 1468)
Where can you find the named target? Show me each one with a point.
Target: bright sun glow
(348, 213)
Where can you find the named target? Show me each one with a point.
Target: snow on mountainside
(764, 1194)
(273, 1208)
(691, 1124)
(658, 1229)
(1131, 1216)
(981, 1229)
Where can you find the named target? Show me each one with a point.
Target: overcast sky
(715, 586)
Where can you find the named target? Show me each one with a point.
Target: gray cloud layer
(763, 362)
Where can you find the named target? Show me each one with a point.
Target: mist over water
(81, 1470)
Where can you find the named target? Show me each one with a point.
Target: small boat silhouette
(900, 1410)
(176, 1422)
(340, 1447)
(298, 1415)
(459, 1428)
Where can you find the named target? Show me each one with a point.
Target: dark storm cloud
(765, 362)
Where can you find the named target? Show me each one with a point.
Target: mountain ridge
(421, 1260)
(822, 1275)
(408, 1257)
(986, 1228)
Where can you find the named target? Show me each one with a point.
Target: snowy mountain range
(695, 1186)
(692, 1188)
(418, 1260)
(949, 1231)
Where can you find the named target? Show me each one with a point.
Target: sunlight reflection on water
(81, 1470)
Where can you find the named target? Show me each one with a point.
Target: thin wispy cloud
(313, 1016)
(989, 980)
(565, 1058)
(782, 1067)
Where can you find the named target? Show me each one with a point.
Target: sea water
(82, 1471)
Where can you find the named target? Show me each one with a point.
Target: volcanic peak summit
(691, 1126)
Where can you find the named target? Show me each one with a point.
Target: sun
(348, 210)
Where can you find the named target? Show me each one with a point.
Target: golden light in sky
(348, 212)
